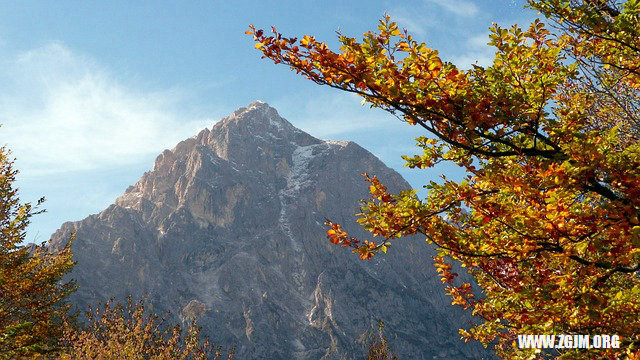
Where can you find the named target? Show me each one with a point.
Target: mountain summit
(228, 229)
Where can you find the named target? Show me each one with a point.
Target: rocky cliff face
(228, 229)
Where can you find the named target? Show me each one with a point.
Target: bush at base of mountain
(117, 331)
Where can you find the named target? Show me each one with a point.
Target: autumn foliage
(31, 294)
(547, 218)
(378, 347)
(117, 331)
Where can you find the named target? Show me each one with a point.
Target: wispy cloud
(452, 25)
(477, 52)
(62, 111)
(416, 24)
(462, 8)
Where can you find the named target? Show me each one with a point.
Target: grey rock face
(228, 229)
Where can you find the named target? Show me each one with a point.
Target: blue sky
(92, 91)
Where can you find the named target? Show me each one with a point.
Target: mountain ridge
(227, 229)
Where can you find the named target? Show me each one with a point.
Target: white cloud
(415, 24)
(462, 8)
(476, 52)
(62, 111)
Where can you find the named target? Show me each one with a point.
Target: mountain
(228, 229)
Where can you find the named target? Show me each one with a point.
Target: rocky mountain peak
(254, 139)
(257, 105)
(257, 121)
(228, 229)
